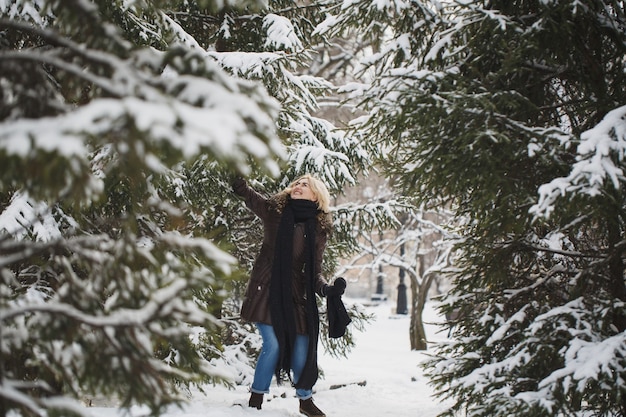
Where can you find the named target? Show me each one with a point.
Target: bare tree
(412, 240)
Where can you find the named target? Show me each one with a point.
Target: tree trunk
(416, 330)
(419, 296)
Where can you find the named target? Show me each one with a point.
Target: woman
(280, 297)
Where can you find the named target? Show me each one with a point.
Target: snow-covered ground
(380, 377)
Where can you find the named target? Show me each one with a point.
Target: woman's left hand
(337, 289)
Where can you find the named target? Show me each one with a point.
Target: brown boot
(309, 409)
(255, 400)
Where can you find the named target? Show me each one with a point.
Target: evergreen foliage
(121, 126)
(104, 302)
(477, 105)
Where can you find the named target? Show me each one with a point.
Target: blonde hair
(318, 188)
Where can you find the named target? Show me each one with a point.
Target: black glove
(337, 289)
(238, 183)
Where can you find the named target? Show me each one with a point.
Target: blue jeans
(268, 359)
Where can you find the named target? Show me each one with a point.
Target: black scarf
(281, 298)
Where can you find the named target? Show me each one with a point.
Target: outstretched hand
(237, 182)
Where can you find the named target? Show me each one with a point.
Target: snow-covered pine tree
(382, 35)
(479, 104)
(271, 45)
(104, 277)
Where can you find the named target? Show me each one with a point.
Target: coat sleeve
(256, 202)
(320, 244)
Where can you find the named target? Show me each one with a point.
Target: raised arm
(254, 200)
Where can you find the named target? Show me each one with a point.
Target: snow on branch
(24, 215)
(280, 33)
(601, 153)
(589, 358)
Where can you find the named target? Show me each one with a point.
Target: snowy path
(382, 358)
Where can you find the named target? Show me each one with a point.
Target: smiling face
(301, 190)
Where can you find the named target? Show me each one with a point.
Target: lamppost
(401, 305)
(379, 295)
(380, 279)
